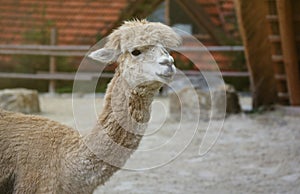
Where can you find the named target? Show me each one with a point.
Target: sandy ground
(257, 153)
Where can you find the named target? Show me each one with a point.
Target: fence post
(52, 62)
(167, 12)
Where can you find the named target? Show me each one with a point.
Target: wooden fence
(72, 51)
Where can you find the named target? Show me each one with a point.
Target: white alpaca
(42, 156)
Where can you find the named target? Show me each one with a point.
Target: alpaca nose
(169, 61)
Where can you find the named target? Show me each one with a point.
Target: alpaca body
(31, 155)
(42, 156)
(38, 155)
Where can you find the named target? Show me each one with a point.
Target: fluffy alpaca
(38, 155)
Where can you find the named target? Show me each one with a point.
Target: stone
(232, 100)
(189, 102)
(20, 100)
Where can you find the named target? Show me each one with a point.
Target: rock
(20, 100)
(232, 100)
(189, 102)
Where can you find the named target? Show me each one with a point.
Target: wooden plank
(235, 74)
(280, 77)
(90, 76)
(211, 49)
(277, 38)
(42, 52)
(52, 62)
(289, 51)
(272, 18)
(56, 76)
(283, 95)
(50, 50)
(58, 51)
(38, 76)
(274, 38)
(251, 17)
(223, 73)
(277, 58)
(79, 48)
(167, 12)
(46, 47)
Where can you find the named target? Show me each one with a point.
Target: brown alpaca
(38, 155)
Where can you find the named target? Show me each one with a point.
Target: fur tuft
(138, 33)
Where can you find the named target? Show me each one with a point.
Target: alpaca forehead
(142, 38)
(133, 34)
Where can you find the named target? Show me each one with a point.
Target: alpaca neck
(122, 122)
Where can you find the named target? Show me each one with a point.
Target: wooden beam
(43, 50)
(202, 20)
(52, 62)
(251, 17)
(272, 18)
(280, 77)
(277, 38)
(81, 50)
(277, 58)
(167, 12)
(210, 49)
(288, 43)
(56, 76)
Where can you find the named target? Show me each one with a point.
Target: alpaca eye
(136, 52)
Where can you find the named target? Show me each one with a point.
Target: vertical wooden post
(167, 12)
(288, 43)
(52, 62)
(251, 17)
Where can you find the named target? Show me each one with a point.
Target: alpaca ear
(105, 55)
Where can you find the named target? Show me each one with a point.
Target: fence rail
(81, 50)
(56, 76)
(49, 50)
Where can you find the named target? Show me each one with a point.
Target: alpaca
(38, 155)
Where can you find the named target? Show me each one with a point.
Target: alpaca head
(141, 50)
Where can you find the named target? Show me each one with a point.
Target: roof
(84, 22)
(79, 21)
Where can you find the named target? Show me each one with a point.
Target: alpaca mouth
(168, 75)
